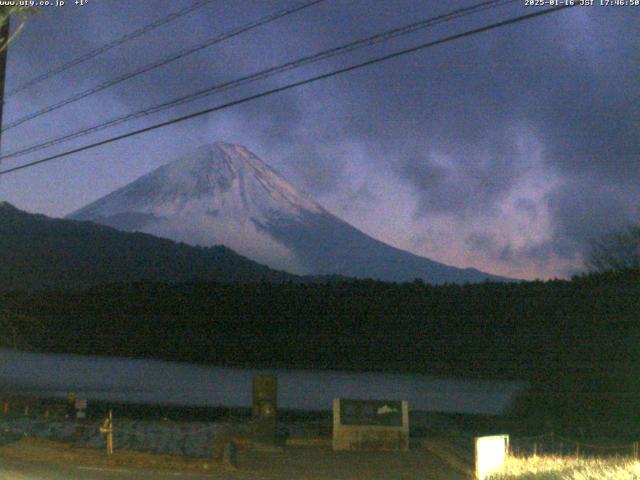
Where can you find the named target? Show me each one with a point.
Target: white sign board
(491, 453)
(81, 408)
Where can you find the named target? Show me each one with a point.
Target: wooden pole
(107, 427)
(4, 33)
(110, 434)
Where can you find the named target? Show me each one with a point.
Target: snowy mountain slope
(224, 194)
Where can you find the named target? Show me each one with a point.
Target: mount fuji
(224, 194)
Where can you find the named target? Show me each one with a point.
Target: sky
(507, 151)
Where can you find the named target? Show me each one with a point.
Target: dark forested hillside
(519, 331)
(39, 252)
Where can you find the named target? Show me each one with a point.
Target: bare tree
(615, 251)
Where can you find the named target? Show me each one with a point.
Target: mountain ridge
(39, 252)
(224, 194)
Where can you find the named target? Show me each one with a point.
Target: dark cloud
(507, 253)
(309, 162)
(459, 180)
(585, 208)
(360, 200)
(528, 207)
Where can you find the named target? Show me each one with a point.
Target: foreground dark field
(31, 459)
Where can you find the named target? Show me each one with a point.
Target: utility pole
(4, 35)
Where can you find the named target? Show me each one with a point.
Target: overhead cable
(105, 48)
(264, 74)
(162, 62)
(293, 85)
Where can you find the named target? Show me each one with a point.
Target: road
(33, 460)
(16, 470)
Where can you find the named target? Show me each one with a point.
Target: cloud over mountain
(224, 194)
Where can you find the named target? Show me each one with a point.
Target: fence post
(577, 450)
(110, 434)
(535, 449)
(107, 427)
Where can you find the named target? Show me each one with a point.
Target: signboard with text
(370, 424)
(371, 412)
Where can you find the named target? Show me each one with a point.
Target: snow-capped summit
(220, 194)
(220, 175)
(224, 194)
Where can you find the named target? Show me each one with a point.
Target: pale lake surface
(173, 383)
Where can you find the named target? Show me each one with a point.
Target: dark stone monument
(265, 409)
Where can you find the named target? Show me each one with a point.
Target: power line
(105, 48)
(264, 74)
(164, 61)
(290, 86)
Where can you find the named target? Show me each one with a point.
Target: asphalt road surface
(15, 470)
